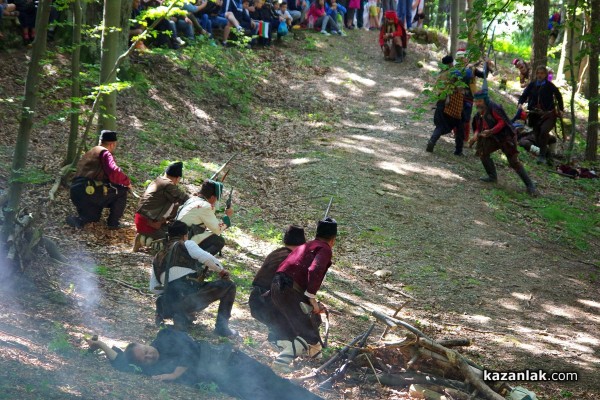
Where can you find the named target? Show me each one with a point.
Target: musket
(328, 207)
(229, 199)
(484, 86)
(216, 174)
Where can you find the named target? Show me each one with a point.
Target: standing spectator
(523, 68)
(27, 11)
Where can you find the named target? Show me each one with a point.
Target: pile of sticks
(432, 369)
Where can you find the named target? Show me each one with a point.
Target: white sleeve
(203, 256)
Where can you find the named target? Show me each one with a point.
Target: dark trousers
(90, 206)
(287, 300)
(212, 244)
(542, 125)
(263, 309)
(184, 297)
(241, 376)
(444, 125)
(508, 145)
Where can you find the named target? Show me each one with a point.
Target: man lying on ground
(176, 356)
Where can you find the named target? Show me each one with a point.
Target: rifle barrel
(222, 166)
(328, 207)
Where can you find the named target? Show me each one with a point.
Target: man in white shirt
(179, 279)
(198, 213)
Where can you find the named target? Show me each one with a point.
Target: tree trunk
(454, 16)
(591, 146)
(34, 71)
(541, 13)
(124, 34)
(566, 43)
(440, 17)
(108, 57)
(573, 83)
(75, 86)
(473, 23)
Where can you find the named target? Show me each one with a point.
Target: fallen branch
(411, 378)
(393, 322)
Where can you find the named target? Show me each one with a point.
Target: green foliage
(208, 387)
(250, 341)
(102, 270)
(60, 341)
(30, 175)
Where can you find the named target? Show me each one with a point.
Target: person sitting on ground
(448, 115)
(283, 13)
(158, 203)
(175, 356)
(337, 13)
(295, 284)
(242, 15)
(267, 20)
(26, 13)
(493, 131)
(98, 184)
(393, 38)
(198, 213)
(211, 16)
(524, 72)
(179, 280)
(542, 99)
(8, 10)
(135, 28)
(260, 303)
(319, 20)
(298, 10)
(167, 31)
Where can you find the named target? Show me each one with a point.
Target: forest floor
(519, 276)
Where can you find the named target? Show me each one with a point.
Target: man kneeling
(183, 290)
(175, 356)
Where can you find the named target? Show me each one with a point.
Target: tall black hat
(175, 169)
(294, 236)
(327, 227)
(108, 136)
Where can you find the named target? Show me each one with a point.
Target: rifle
(228, 202)
(328, 207)
(216, 174)
(484, 86)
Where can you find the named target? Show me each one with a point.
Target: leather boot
(430, 146)
(490, 168)
(399, 55)
(290, 350)
(531, 189)
(222, 327)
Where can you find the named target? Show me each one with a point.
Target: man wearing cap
(542, 97)
(198, 213)
(523, 68)
(493, 131)
(99, 183)
(444, 123)
(261, 305)
(158, 203)
(180, 271)
(297, 281)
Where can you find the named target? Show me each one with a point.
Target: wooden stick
(393, 322)
(387, 328)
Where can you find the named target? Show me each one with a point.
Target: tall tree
(541, 13)
(442, 13)
(75, 81)
(108, 57)
(591, 147)
(454, 28)
(15, 188)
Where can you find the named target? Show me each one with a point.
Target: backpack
(282, 30)
(163, 259)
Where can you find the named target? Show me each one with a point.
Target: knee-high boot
(531, 189)
(490, 169)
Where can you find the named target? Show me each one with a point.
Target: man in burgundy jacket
(297, 281)
(99, 183)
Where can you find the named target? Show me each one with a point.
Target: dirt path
(341, 127)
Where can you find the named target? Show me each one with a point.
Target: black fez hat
(108, 136)
(447, 60)
(294, 236)
(177, 228)
(327, 227)
(175, 169)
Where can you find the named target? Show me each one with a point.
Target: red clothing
(307, 265)
(315, 12)
(398, 31)
(141, 225)
(112, 171)
(497, 128)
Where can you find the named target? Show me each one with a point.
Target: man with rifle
(98, 184)
(159, 203)
(198, 213)
(181, 268)
(294, 292)
(261, 305)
